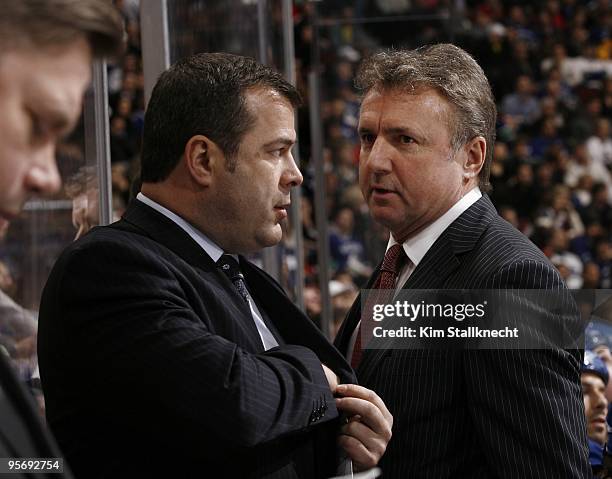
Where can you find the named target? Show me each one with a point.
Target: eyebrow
(399, 130)
(280, 141)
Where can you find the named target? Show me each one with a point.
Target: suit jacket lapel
(440, 261)
(292, 324)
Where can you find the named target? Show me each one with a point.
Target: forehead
(591, 379)
(274, 114)
(398, 104)
(50, 78)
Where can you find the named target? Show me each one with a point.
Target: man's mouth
(281, 210)
(379, 191)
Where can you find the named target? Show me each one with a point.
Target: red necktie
(392, 264)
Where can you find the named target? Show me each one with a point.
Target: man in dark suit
(46, 49)
(163, 352)
(427, 128)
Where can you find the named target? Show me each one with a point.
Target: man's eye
(406, 140)
(367, 138)
(38, 129)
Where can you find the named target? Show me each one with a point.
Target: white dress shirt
(215, 252)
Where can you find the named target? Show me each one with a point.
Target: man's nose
(43, 177)
(379, 158)
(292, 176)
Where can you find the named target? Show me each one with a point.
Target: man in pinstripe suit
(427, 128)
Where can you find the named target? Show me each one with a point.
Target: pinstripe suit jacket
(479, 413)
(152, 365)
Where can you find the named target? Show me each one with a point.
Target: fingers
(361, 446)
(368, 431)
(368, 402)
(374, 443)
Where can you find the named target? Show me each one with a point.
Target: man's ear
(476, 152)
(202, 158)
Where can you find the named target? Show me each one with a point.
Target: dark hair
(49, 23)
(203, 95)
(455, 75)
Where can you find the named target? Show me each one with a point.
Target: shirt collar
(417, 246)
(205, 243)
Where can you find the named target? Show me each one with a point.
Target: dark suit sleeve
(125, 317)
(518, 397)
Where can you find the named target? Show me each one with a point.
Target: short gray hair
(452, 72)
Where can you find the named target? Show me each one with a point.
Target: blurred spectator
(523, 192)
(18, 326)
(561, 214)
(594, 379)
(83, 189)
(343, 292)
(568, 263)
(546, 139)
(522, 105)
(581, 165)
(590, 276)
(599, 145)
(345, 249)
(600, 210)
(603, 257)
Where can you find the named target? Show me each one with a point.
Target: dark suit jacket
(152, 366)
(479, 413)
(22, 434)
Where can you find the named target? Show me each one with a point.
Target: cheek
(363, 181)
(13, 165)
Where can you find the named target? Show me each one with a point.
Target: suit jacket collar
(166, 232)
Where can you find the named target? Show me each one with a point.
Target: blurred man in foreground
(46, 49)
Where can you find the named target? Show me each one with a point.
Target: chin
(271, 237)
(384, 219)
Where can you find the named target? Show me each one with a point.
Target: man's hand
(332, 379)
(368, 431)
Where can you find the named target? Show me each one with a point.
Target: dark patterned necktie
(231, 268)
(392, 264)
